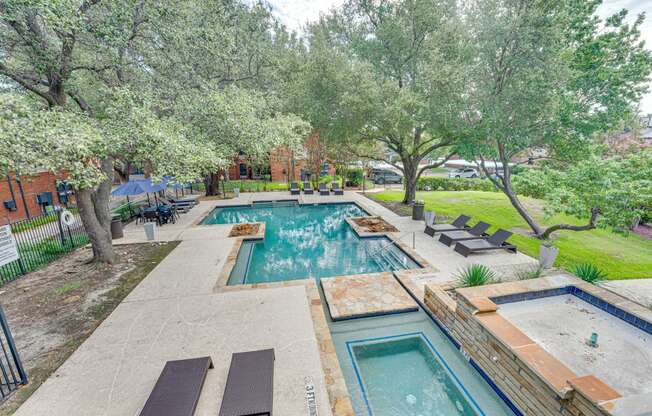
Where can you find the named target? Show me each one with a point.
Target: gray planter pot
(417, 211)
(547, 256)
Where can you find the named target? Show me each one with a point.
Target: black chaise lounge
(473, 233)
(294, 189)
(249, 387)
(335, 187)
(460, 223)
(184, 201)
(307, 189)
(497, 241)
(323, 190)
(178, 388)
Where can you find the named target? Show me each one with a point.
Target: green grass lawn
(620, 256)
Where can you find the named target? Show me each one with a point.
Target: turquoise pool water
(403, 365)
(306, 241)
(420, 385)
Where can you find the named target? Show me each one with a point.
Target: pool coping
(229, 264)
(478, 303)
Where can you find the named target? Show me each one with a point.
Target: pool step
(388, 259)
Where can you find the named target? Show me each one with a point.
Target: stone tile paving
(365, 295)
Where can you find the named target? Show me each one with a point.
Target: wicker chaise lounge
(307, 189)
(294, 189)
(323, 190)
(460, 223)
(249, 386)
(177, 389)
(475, 232)
(497, 241)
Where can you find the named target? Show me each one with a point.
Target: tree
(546, 79)
(116, 69)
(387, 72)
(611, 192)
(233, 120)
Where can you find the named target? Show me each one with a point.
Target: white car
(464, 173)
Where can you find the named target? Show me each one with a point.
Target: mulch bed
(52, 310)
(375, 225)
(239, 230)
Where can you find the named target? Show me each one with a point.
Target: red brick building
(285, 164)
(288, 165)
(27, 196)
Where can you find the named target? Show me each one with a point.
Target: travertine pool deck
(562, 324)
(365, 295)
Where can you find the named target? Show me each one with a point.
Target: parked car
(381, 176)
(464, 173)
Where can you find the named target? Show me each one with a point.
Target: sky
(295, 13)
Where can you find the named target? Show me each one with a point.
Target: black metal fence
(12, 373)
(41, 240)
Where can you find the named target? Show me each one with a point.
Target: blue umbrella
(140, 186)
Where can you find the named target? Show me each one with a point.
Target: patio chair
(307, 188)
(460, 223)
(323, 190)
(177, 389)
(294, 189)
(473, 233)
(249, 386)
(497, 241)
(335, 187)
(149, 215)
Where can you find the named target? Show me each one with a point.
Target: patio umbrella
(139, 187)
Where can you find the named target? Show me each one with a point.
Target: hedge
(437, 183)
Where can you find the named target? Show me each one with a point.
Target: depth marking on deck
(311, 397)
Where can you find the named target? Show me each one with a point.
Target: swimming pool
(304, 241)
(403, 365)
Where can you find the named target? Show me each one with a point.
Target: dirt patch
(375, 225)
(52, 311)
(244, 229)
(396, 207)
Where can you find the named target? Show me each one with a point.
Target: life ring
(67, 218)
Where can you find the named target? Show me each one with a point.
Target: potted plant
(547, 254)
(417, 210)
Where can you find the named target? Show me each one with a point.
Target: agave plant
(589, 273)
(475, 275)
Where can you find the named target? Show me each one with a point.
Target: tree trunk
(516, 203)
(410, 172)
(98, 234)
(212, 184)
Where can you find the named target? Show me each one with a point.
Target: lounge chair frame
(459, 224)
(497, 241)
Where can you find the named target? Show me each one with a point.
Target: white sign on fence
(8, 248)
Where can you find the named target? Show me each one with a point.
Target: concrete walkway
(175, 313)
(638, 290)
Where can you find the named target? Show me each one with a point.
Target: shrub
(589, 273)
(475, 275)
(354, 177)
(327, 179)
(435, 183)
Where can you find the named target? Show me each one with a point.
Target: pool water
(420, 385)
(404, 365)
(304, 241)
